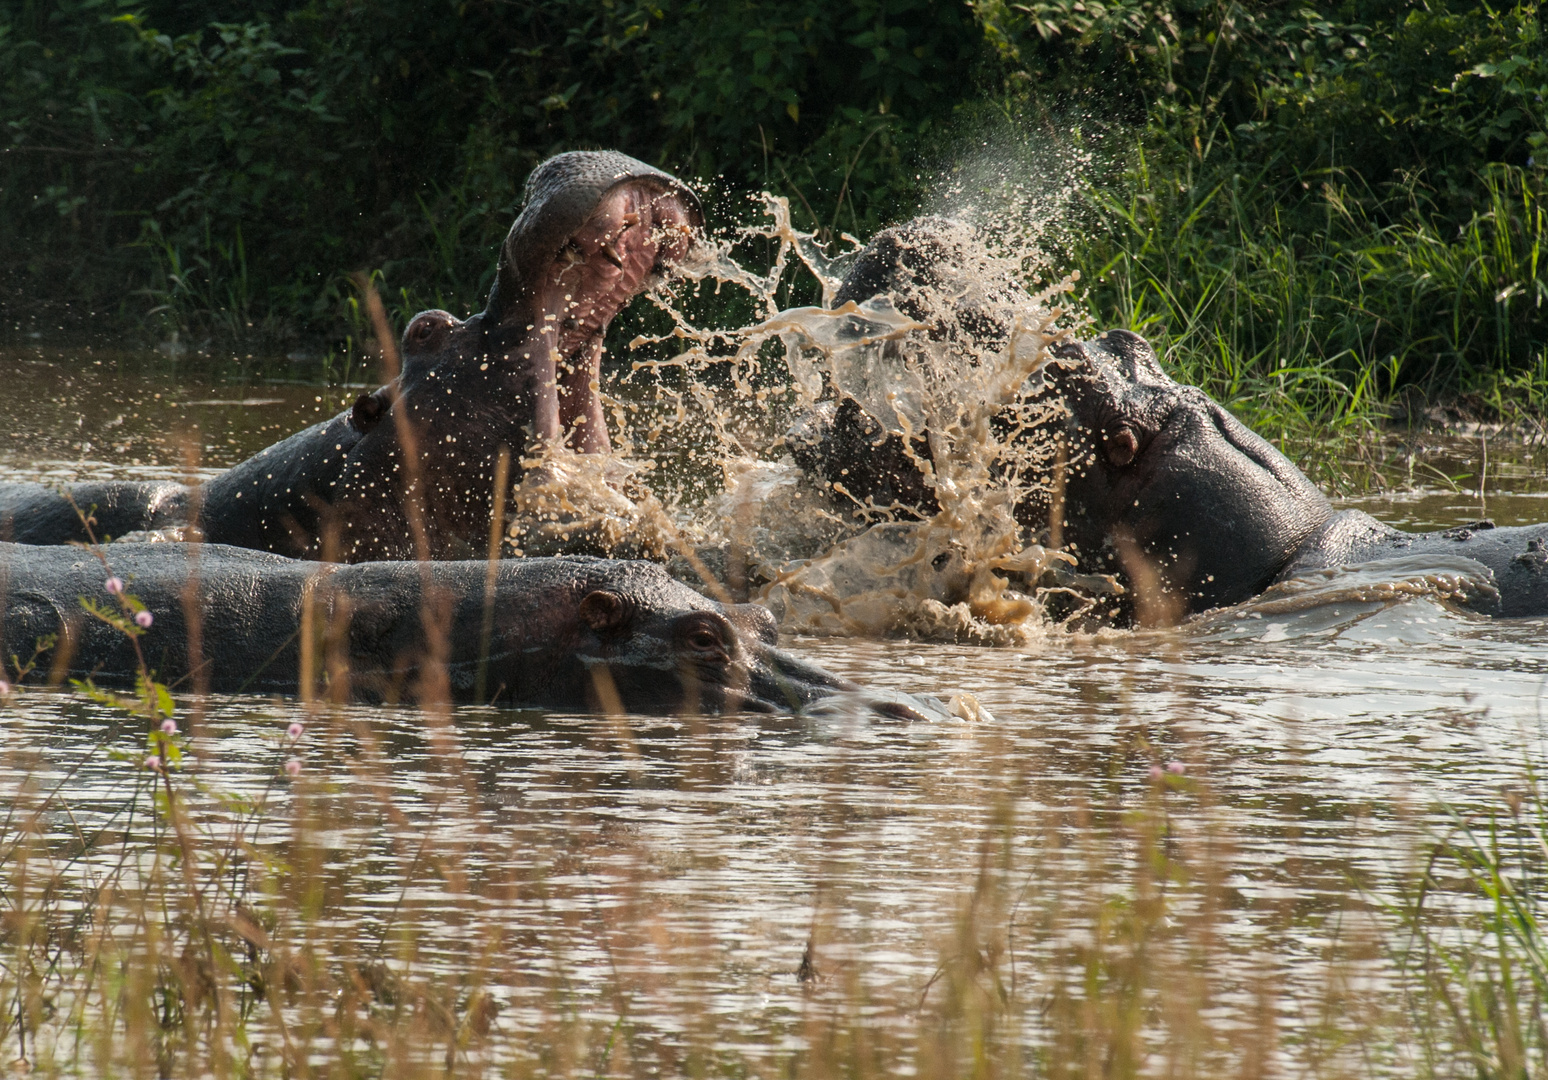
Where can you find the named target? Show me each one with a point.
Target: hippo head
(706, 658)
(596, 229)
(624, 636)
(1166, 487)
(1161, 486)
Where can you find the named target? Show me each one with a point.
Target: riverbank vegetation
(1311, 208)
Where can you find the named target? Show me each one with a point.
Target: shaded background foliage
(1357, 183)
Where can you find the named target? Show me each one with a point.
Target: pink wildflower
(293, 732)
(1155, 772)
(114, 585)
(293, 767)
(143, 619)
(153, 762)
(169, 726)
(1176, 767)
(5, 687)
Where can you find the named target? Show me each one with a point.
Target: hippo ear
(369, 409)
(604, 610)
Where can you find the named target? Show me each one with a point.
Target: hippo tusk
(545, 387)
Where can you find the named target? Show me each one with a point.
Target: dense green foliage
(1350, 189)
(260, 157)
(1333, 199)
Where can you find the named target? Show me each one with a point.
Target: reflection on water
(637, 896)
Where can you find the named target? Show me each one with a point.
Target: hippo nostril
(1121, 446)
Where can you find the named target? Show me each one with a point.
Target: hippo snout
(779, 682)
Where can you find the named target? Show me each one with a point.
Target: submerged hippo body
(40, 514)
(409, 470)
(1163, 487)
(565, 633)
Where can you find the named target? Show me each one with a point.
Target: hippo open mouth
(563, 296)
(596, 231)
(627, 245)
(411, 470)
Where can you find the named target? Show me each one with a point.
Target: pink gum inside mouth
(604, 265)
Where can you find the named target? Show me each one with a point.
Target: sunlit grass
(1473, 942)
(1307, 310)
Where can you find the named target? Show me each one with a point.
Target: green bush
(1352, 191)
(242, 166)
(1327, 201)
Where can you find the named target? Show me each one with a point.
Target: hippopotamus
(32, 513)
(1162, 486)
(408, 471)
(566, 633)
(1161, 471)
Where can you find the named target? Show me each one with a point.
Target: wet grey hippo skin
(566, 632)
(1164, 481)
(1218, 512)
(596, 228)
(39, 514)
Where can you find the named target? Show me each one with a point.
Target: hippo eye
(707, 635)
(1121, 446)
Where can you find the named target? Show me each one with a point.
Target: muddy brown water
(674, 872)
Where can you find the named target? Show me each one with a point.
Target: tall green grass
(1306, 307)
(1474, 942)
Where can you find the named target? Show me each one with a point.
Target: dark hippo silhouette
(563, 633)
(596, 228)
(1163, 487)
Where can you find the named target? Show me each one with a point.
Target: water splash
(593, 504)
(939, 358)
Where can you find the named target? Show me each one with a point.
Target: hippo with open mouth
(1163, 487)
(573, 633)
(409, 470)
